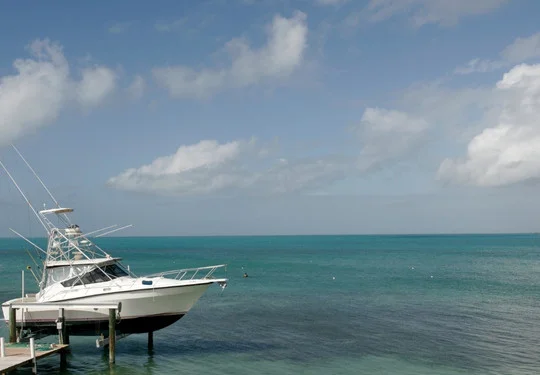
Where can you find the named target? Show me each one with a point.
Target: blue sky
(274, 117)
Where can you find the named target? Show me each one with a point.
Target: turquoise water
(330, 305)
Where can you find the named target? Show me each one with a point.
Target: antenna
(114, 230)
(94, 232)
(24, 196)
(40, 181)
(36, 175)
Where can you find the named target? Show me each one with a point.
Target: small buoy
(432, 276)
(333, 277)
(245, 274)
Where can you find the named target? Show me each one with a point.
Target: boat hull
(143, 310)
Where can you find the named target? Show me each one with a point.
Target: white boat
(77, 271)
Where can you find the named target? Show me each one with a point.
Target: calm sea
(463, 304)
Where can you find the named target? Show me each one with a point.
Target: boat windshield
(57, 274)
(96, 275)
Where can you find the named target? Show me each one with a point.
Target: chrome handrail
(186, 273)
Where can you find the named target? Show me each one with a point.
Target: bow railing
(189, 273)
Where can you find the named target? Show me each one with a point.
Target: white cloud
(386, 138)
(454, 111)
(306, 175)
(388, 135)
(442, 12)
(35, 95)
(120, 27)
(200, 168)
(521, 50)
(96, 84)
(282, 54)
(508, 152)
(41, 87)
(136, 89)
(480, 66)
(183, 81)
(211, 167)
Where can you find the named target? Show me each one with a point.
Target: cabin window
(57, 274)
(106, 273)
(114, 271)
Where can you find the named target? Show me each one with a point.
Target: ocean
(441, 304)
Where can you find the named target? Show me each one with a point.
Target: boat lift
(63, 336)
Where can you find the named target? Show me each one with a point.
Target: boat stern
(6, 305)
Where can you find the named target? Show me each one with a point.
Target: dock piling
(63, 337)
(150, 340)
(61, 326)
(33, 355)
(112, 335)
(12, 325)
(32, 348)
(2, 348)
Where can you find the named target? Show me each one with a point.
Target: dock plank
(20, 356)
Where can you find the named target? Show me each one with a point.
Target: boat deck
(18, 355)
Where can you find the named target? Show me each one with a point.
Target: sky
(247, 117)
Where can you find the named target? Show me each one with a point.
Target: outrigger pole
(24, 196)
(40, 181)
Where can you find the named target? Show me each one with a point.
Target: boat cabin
(83, 272)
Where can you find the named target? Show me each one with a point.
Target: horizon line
(397, 234)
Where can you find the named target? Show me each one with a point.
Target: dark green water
(331, 305)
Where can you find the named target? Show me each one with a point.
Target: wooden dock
(14, 355)
(18, 356)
